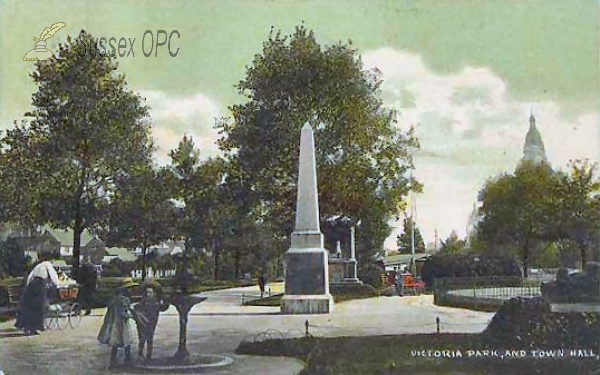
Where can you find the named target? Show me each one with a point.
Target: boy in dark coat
(146, 317)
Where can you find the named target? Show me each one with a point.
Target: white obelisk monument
(306, 265)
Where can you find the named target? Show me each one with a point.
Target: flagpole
(412, 231)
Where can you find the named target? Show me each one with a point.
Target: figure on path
(86, 278)
(33, 302)
(262, 283)
(399, 283)
(118, 329)
(146, 316)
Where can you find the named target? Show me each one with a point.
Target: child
(118, 329)
(146, 313)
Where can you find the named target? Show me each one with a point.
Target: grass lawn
(340, 294)
(407, 355)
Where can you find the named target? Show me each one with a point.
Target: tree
(578, 207)
(453, 245)
(141, 212)
(361, 153)
(517, 209)
(206, 216)
(405, 239)
(86, 129)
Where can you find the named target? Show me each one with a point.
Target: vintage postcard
(300, 187)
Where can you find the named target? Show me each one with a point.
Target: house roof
(121, 253)
(65, 237)
(404, 258)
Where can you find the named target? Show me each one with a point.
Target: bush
(352, 291)
(529, 323)
(371, 274)
(118, 268)
(465, 265)
(13, 261)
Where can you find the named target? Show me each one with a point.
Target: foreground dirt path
(218, 325)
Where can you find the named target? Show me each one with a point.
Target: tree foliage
(526, 212)
(577, 216)
(452, 244)
(13, 261)
(404, 241)
(515, 210)
(86, 129)
(142, 213)
(361, 154)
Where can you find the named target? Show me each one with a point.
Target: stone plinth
(306, 282)
(307, 304)
(337, 270)
(352, 277)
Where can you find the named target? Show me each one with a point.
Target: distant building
(533, 151)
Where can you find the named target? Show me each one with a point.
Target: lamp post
(413, 266)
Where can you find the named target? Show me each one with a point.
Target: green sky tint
(542, 55)
(542, 49)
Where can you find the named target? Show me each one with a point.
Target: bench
(14, 293)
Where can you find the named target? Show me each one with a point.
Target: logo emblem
(40, 52)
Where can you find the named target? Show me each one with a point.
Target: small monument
(306, 262)
(337, 267)
(352, 275)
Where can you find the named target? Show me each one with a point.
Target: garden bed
(433, 354)
(340, 293)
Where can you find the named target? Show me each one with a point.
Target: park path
(219, 324)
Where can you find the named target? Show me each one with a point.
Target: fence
(482, 293)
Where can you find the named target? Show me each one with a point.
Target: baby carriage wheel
(75, 315)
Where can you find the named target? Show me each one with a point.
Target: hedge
(529, 323)
(465, 265)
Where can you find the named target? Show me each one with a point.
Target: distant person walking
(262, 283)
(87, 278)
(399, 283)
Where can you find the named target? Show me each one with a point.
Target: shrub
(529, 323)
(371, 274)
(118, 268)
(13, 261)
(465, 265)
(352, 291)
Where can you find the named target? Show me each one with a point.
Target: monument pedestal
(307, 304)
(306, 282)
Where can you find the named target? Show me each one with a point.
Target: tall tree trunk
(144, 250)
(237, 257)
(583, 250)
(78, 227)
(526, 260)
(216, 256)
(77, 230)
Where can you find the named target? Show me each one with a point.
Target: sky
(465, 73)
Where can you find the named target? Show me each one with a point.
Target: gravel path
(219, 324)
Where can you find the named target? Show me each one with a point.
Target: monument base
(307, 304)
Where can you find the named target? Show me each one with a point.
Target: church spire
(533, 149)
